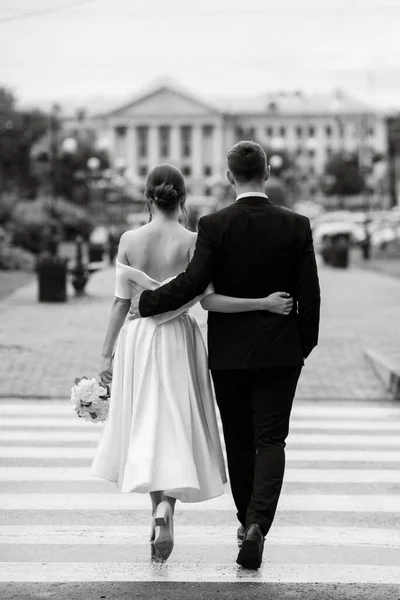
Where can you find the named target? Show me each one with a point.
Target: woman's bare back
(161, 250)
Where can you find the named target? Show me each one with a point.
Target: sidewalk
(43, 347)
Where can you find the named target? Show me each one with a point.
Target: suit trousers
(255, 408)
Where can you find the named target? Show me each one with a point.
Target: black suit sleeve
(308, 295)
(187, 285)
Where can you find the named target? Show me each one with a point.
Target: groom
(249, 250)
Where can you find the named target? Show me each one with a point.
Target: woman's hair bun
(165, 196)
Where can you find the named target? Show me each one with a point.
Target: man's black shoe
(250, 554)
(240, 535)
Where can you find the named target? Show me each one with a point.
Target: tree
(19, 130)
(7, 100)
(282, 178)
(343, 176)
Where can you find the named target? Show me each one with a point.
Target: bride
(161, 436)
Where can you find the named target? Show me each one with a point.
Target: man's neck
(248, 189)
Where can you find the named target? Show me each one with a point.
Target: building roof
(293, 103)
(163, 86)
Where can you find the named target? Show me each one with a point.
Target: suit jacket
(249, 250)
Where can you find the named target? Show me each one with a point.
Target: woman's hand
(106, 369)
(280, 303)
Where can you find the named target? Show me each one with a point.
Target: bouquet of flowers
(90, 399)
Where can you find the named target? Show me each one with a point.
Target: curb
(387, 370)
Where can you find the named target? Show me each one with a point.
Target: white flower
(90, 399)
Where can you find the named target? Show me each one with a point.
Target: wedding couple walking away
(252, 266)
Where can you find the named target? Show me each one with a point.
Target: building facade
(171, 125)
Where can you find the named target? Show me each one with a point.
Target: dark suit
(249, 250)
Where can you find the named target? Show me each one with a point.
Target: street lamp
(277, 143)
(276, 161)
(93, 164)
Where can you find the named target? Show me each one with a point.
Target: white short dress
(161, 432)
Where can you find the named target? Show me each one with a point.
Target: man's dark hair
(247, 161)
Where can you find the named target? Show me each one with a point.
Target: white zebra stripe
(301, 409)
(199, 535)
(291, 475)
(61, 452)
(111, 501)
(366, 426)
(222, 572)
(307, 439)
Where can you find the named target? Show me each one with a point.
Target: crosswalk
(338, 519)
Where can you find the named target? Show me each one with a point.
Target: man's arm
(187, 285)
(308, 295)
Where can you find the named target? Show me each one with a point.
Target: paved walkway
(43, 347)
(336, 535)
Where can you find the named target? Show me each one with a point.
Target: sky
(80, 51)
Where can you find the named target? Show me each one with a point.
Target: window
(371, 131)
(311, 153)
(164, 134)
(299, 131)
(120, 131)
(299, 151)
(186, 140)
(143, 141)
(269, 131)
(328, 131)
(312, 170)
(207, 170)
(311, 131)
(142, 170)
(208, 131)
(186, 170)
(207, 191)
(329, 151)
(282, 131)
(239, 133)
(250, 133)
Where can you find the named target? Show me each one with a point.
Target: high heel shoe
(153, 530)
(164, 533)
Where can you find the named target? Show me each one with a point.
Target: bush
(31, 222)
(73, 218)
(7, 204)
(12, 258)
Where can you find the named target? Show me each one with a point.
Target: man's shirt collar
(251, 195)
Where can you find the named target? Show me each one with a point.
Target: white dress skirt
(161, 432)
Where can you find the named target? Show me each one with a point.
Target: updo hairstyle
(165, 187)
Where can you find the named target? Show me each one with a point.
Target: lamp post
(51, 241)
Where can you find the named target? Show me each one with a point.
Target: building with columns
(168, 124)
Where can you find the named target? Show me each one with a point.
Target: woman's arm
(119, 310)
(279, 302)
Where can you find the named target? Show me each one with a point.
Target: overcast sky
(85, 49)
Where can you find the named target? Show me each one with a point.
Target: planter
(339, 252)
(96, 252)
(52, 278)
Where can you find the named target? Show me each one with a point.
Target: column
(153, 157)
(131, 157)
(197, 162)
(175, 145)
(219, 153)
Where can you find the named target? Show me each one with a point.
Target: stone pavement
(43, 347)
